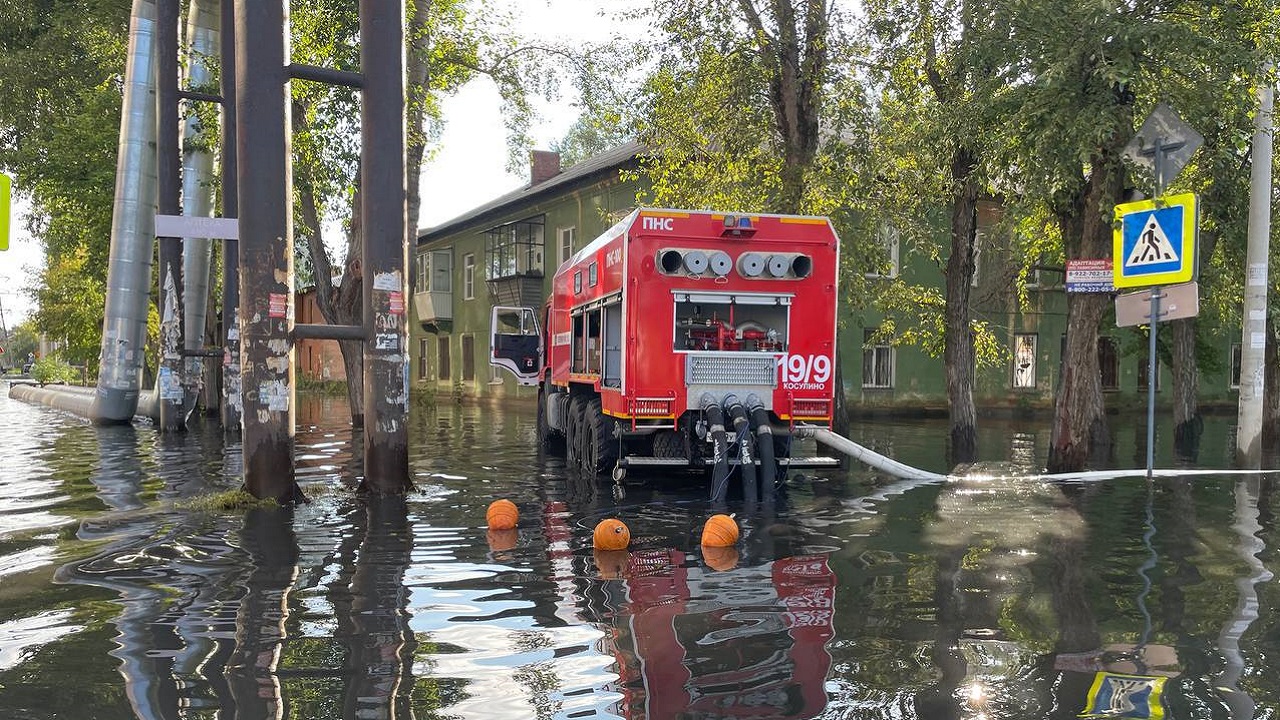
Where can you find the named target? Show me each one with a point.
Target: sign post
(1155, 241)
(6, 196)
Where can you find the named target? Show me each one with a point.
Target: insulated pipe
(76, 403)
(720, 473)
(857, 452)
(746, 458)
(124, 324)
(203, 24)
(764, 448)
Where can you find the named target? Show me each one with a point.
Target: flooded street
(858, 597)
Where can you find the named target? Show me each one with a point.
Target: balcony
(517, 290)
(434, 310)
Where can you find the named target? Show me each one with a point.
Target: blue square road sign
(1154, 242)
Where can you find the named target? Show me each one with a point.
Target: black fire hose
(720, 473)
(746, 456)
(764, 448)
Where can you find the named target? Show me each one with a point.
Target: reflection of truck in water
(683, 339)
(746, 643)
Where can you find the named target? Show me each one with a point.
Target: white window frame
(566, 240)
(889, 238)
(469, 276)
(440, 271)
(873, 353)
(1024, 353)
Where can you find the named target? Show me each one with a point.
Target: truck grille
(722, 369)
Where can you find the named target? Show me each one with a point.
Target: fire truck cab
(675, 325)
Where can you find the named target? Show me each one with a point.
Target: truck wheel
(599, 444)
(572, 443)
(549, 439)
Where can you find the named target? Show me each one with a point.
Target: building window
(434, 271)
(422, 278)
(441, 271)
(468, 277)
(468, 357)
(1235, 365)
(423, 351)
(1142, 374)
(566, 239)
(443, 371)
(593, 275)
(1108, 363)
(514, 249)
(1024, 360)
(877, 362)
(888, 238)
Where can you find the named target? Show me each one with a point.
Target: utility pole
(1253, 340)
(231, 403)
(383, 220)
(265, 190)
(170, 400)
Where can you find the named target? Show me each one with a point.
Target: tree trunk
(417, 41)
(340, 305)
(1187, 422)
(959, 353)
(1079, 418)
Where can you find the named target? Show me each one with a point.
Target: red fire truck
(684, 338)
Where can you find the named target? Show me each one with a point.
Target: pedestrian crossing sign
(1154, 242)
(1116, 695)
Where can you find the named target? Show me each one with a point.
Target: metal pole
(230, 248)
(1154, 320)
(167, 161)
(1253, 340)
(264, 183)
(384, 222)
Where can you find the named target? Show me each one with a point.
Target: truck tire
(600, 447)
(572, 450)
(549, 439)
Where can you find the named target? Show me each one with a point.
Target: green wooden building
(505, 252)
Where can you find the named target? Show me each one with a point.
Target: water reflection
(983, 596)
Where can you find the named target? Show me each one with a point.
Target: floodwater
(983, 597)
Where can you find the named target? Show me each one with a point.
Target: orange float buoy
(720, 531)
(720, 558)
(502, 515)
(611, 534)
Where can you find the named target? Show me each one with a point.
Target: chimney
(543, 165)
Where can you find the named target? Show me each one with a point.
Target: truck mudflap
(643, 461)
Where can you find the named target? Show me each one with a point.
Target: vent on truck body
(718, 368)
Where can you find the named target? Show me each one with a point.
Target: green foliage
(48, 370)
(230, 501)
(69, 302)
(23, 341)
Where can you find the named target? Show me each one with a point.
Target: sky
(469, 170)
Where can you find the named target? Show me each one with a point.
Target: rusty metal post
(169, 379)
(383, 219)
(230, 407)
(264, 184)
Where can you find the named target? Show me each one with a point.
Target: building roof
(589, 169)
